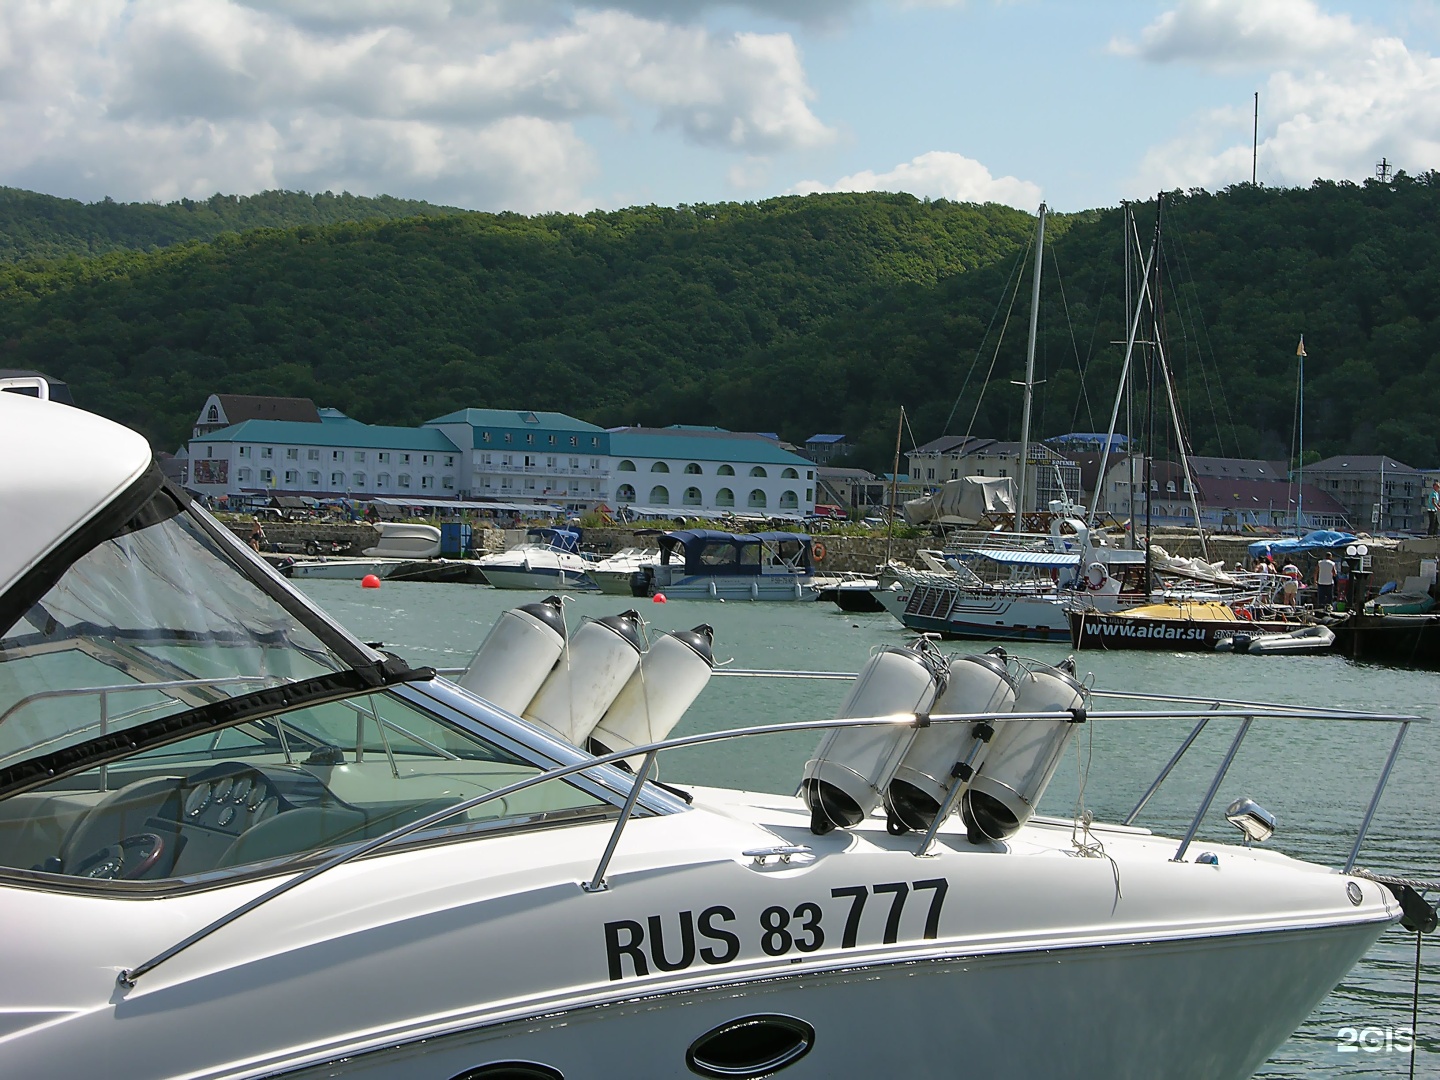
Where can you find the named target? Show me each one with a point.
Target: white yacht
(549, 559)
(236, 842)
(616, 573)
(707, 564)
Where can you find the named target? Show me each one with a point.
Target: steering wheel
(128, 860)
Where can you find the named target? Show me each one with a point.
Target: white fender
(754, 590)
(847, 777)
(977, 684)
(712, 590)
(667, 681)
(1022, 755)
(516, 656)
(601, 656)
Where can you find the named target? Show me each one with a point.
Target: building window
(213, 415)
(954, 474)
(243, 476)
(382, 481)
(724, 497)
(625, 494)
(337, 480)
(358, 480)
(693, 469)
(809, 494)
(725, 470)
(659, 466)
(485, 436)
(209, 451)
(427, 483)
(626, 466)
(292, 454)
(313, 478)
(659, 496)
(244, 451)
(405, 481)
(337, 455)
(427, 459)
(404, 459)
(915, 474)
(789, 500)
(594, 463)
(359, 455)
(809, 474)
(267, 452)
(574, 441)
(312, 455)
(691, 497)
(267, 476)
(789, 474)
(448, 483)
(758, 471)
(552, 440)
(291, 477)
(530, 437)
(509, 437)
(449, 460)
(595, 441)
(550, 463)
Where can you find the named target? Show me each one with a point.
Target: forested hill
(796, 315)
(42, 226)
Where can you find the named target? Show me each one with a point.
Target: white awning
(1052, 559)
(461, 504)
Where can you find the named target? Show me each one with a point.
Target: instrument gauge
(221, 788)
(269, 806)
(226, 816)
(241, 790)
(197, 800)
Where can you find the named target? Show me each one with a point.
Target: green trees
(796, 315)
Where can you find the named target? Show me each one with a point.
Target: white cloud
(1371, 97)
(1229, 34)
(939, 174)
(477, 99)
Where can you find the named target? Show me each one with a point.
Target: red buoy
(659, 598)
(370, 581)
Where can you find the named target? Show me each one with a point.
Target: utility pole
(1255, 139)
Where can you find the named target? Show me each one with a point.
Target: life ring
(817, 549)
(1244, 613)
(1095, 576)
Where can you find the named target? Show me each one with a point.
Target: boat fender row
(911, 768)
(598, 685)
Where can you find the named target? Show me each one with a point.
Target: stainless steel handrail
(127, 977)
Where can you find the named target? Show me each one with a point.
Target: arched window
(724, 497)
(659, 496)
(725, 470)
(789, 474)
(213, 415)
(692, 497)
(358, 480)
(625, 494)
(693, 469)
(382, 481)
(789, 501)
(758, 470)
(757, 500)
(659, 466)
(625, 466)
(337, 480)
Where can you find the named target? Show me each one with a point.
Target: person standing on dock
(1325, 582)
(1432, 508)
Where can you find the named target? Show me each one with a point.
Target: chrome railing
(1217, 709)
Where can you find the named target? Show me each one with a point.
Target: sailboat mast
(1300, 438)
(894, 485)
(1030, 375)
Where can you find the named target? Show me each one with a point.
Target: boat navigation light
(1252, 819)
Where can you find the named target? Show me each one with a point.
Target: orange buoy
(370, 581)
(659, 598)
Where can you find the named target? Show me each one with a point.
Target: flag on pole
(1300, 350)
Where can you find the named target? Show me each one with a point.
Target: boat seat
(304, 828)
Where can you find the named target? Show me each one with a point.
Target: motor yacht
(237, 842)
(549, 559)
(707, 564)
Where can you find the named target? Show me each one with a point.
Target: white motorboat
(707, 564)
(236, 842)
(400, 545)
(615, 574)
(550, 559)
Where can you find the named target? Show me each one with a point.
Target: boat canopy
(710, 551)
(1049, 559)
(964, 501)
(1319, 540)
(560, 539)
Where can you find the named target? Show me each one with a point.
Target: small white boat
(549, 560)
(613, 575)
(1305, 639)
(706, 564)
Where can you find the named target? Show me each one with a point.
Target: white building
(1050, 476)
(709, 470)
(522, 456)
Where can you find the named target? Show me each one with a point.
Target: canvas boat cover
(1319, 540)
(964, 502)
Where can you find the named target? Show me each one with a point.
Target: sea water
(1317, 777)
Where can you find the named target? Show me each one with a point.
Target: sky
(551, 105)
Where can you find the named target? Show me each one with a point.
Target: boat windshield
(151, 622)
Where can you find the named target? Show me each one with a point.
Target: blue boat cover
(1319, 540)
(710, 551)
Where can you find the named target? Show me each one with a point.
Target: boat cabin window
(262, 795)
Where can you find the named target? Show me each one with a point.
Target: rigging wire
(1080, 367)
(1090, 349)
(970, 429)
(1199, 318)
(980, 349)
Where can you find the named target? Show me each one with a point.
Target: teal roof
(702, 445)
(335, 416)
(516, 420)
(341, 436)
